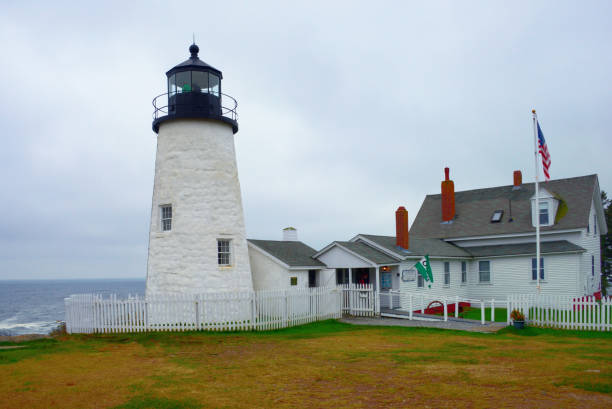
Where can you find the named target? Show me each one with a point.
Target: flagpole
(537, 195)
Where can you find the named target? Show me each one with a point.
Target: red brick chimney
(448, 197)
(518, 178)
(401, 228)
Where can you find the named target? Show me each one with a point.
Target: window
(166, 217)
(224, 252)
(420, 281)
(293, 280)
(446, 273)
(199, 80)
(213, 84)
(595, 224)
(534, 274)
(172, 85)
(484, 271)
(593, 265)
(497, 216)
(342, 276)
(183, 81)
(544, 213)
(463, 272)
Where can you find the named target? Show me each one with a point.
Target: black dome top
(194, 63)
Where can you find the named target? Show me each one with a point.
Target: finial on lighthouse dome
(194, 50)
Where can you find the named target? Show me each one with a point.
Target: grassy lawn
(328, 364)
(501, 314)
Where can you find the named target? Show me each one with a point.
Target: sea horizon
(36, 306)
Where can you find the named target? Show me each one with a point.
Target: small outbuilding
(287, 263)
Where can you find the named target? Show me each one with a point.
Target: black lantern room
(194, 91)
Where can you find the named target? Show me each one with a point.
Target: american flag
(544, 152)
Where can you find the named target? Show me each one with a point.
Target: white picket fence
(219, 311)
(585, 313)
(360, 300)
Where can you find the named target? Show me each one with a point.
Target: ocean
(36, 306)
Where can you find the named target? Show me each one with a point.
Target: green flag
(424, 269)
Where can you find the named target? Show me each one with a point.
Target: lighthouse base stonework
(196, 175)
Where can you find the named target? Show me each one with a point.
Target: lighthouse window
(166, 217)
(199, 81)
(183, 81)
(223, 252)
(213, 84)
(172, 85)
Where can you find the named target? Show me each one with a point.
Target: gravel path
(463, 325)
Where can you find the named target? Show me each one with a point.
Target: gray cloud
(346, 112)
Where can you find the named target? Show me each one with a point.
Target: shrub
(59, 330)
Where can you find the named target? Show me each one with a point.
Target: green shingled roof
(474, 209)
(292, 253)
(546, 247)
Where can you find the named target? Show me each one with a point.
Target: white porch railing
(389, 299)
(219, 311)
(583, 313)
(359, 300)
(419, 303)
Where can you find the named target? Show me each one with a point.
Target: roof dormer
(547, 209)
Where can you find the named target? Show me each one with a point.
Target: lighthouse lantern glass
(214, 84)
(196, 81)
(183, 81)
(200, 81)
(172, 85)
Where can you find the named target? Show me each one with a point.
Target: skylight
(497, 216)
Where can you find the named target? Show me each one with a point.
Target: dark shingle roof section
(475, 207)
(546, 247)
(292, 253)
(419, 247)
(368, 252)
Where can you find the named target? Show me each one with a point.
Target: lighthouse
(197, 239)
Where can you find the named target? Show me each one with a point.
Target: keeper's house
(481, 242)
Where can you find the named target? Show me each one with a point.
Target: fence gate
(359, 300)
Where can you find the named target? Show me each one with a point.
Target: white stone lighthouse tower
(197, 240)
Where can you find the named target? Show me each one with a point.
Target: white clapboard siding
(218, 311)
(556, 311)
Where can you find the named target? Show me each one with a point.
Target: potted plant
(518, 319)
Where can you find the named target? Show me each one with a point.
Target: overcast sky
(347, 111)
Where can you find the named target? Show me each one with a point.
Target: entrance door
(312, 278)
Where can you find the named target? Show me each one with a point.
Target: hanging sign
(409, 274)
